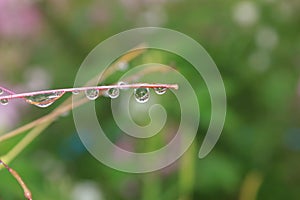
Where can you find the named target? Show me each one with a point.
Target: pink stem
(134, 85)
(7, 90)
(15, 174)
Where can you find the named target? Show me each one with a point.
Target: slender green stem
(17, 149)
(187, 173)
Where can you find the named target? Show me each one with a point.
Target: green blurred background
(256, 46)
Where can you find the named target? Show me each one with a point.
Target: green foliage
(262, 126)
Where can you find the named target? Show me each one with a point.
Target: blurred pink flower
(125, 143)
(18, 19)
(99, 14)
(9, 117)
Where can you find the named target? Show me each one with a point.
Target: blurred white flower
(286, 10)
(154, 16)
(37, 78)
(86, 190)
(259, 60)
(266, 38)
(131, 5)
(246, 13)
(135, 5)
(146, 12)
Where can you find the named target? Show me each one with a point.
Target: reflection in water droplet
(4, 101)
(160, 90)
(44, 100)
(92, 94)
(122, 83)
(1, 91)
(142, 95)
(122, 65)
(75, 92)
(113, 92)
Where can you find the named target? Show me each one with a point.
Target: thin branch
(66, 105)
(2, 89)
(15, 174)
(40, 124)
(79, 89)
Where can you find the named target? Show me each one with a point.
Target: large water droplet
(4, 101)
(44, 100)
(160, 90)
(92, 94)
(1, 91)
(142, 95)
(113, 92)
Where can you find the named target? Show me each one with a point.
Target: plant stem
(42, 123)
(135, 85)
(187, 173)
(64, 107)
(250, 186)
(15, 174)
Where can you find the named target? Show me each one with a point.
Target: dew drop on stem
(113, 92)
(44, 100)
(4, 101)
(160, 90)
(1, 91)
(121, 83)
(75, 92)
(141, 95)
(92, 94)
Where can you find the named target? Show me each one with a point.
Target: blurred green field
(256, 46)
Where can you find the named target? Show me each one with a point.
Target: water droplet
(1, 91)
(113, 92)
(92, 94)
(160, 90)
(142, 95)
(123, 83)
(122, 65)
(75, 92)
(4, 101)
(44, 100)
